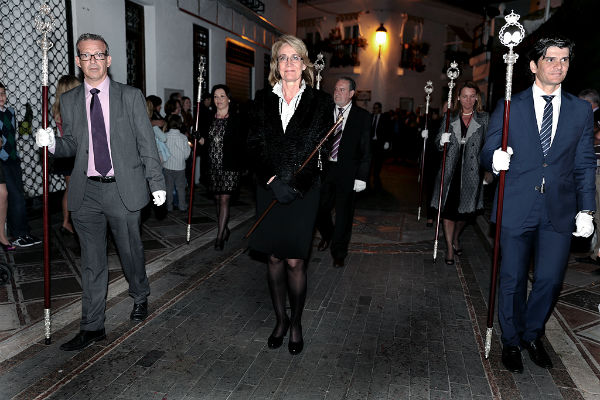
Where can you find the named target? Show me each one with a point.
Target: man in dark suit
(106, 128)
(549, 193)
(346, 170)
(380, 142)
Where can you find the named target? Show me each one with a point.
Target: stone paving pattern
(390, 325)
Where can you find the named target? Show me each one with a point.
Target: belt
(103, 179)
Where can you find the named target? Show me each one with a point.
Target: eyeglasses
(88, 56)
(294, 58)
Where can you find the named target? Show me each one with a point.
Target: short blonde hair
(65, 83)
(300, 47)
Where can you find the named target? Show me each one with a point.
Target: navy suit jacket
(354, 156)
(568, 169)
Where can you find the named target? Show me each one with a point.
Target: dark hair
(590, 95)
(2, 86)
(206, 96)
(221, 86)
(171, 106)
(174, 121)
(378, 104)
(156, 101)
(90, 36)
(541, 46)
(349, 80)
(175, 96)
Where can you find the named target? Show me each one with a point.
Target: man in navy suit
(549, 196)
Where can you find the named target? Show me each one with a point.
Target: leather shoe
(511, 358)
(323, 245)
(338, 262)
(295, 347)
(139, 312)
(83, 339)
(537, 353)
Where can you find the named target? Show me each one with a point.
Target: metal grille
(20, 71)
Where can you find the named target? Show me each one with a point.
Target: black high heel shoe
(275, 342)
(295, 347)
(457, 251)
(219, 244)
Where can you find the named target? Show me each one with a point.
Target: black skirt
(287, 230)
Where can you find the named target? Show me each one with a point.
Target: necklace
(467, 113)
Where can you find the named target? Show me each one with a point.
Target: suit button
(537, 188)
(544, 165)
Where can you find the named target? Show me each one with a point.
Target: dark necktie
(337, 137)
(101, 154)
(546, 129)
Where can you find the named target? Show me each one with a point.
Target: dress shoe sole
(86, 345)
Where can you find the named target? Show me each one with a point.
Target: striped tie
(337, 137)
(546, 129)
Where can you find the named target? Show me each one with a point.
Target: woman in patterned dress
(225, 143)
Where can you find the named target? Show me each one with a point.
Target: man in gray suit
(106, 128)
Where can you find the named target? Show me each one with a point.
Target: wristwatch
(588, 212)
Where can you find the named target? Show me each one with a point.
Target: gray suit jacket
(133, 148)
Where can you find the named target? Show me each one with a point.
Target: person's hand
(501, 160)
(584, 223)
(159, 197)
(386, 145)
(45, 137)
(445, 138)
(283, 192)
(425, 133)
(359, 185)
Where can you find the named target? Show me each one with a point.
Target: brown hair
(457, 107)
(300, 47)
(65, 83)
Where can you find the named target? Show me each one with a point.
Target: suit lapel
(563, 121)
(523, 106)
(80, 121)
(115, 110)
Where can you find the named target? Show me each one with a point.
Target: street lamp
(380, 37)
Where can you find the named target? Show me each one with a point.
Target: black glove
(196, 135)
(283, 192)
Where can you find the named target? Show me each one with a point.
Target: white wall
(169, 37)
(381, 76)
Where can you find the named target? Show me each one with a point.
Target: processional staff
(424, 134)
(452, 74)
(44, 24)
(319, 66)
(196, 130)
(511, 34)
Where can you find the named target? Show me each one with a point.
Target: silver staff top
(428, 91)
(453, 73)
(44, 24)
(512, 33)
(200, 78)
(319, 66)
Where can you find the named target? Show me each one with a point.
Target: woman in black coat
(224, 144)
(287, 123)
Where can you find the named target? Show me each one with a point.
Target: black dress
(221, 180)
(450, 210)
(287, 230)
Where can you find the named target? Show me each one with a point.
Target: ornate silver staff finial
(511, 34)
(453, 73)
(44, 24)
(319, 66)
(200, 79)
(428, 91)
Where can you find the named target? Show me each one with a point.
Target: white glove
(425, 133)
(386, 145)
(159, 197)
(45, 137)
(445, 138)
(585, 225)
(359, 185)
(501, 160)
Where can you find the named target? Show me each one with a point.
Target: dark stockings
(222, 203)
(287, 278)
(452, 231)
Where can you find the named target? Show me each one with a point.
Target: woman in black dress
(463, 177)
(288, 121)
(224, 143)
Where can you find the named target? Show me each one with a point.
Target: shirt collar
(537, 91)
(278, 88)
(102, 87)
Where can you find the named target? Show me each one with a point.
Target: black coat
(234, 142)
(275, 152)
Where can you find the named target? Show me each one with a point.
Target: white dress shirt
(539, 103)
